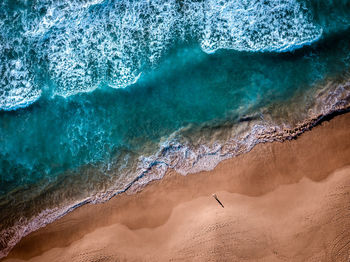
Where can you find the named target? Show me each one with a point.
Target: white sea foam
(16, 85)
(274, 26)
(82, 44)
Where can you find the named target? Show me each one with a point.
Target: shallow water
(92, 92)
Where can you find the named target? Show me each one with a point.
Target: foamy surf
(76, 47)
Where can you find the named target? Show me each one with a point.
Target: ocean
(98, 97)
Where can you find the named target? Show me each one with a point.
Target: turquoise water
(90, 89)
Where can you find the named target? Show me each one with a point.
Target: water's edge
(332, 100)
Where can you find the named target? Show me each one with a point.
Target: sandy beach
(285, 201)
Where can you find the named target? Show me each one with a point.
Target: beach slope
(285, 201)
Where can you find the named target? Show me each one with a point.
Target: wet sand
(285, 201)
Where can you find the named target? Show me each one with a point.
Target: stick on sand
(216, 198)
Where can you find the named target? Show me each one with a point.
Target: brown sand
(285, 201)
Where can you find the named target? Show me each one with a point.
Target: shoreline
(77, 225)
(330, 101)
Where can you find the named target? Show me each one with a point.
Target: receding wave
(65, 48)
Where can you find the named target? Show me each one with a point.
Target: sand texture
(285, 201)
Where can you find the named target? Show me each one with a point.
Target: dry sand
(285, 201)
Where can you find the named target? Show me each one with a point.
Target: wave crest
(83, 44)
(273, 26)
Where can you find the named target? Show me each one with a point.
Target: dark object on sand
(216, 198)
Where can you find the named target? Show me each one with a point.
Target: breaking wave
(64, 48)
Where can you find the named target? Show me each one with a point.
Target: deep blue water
(94, 85)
